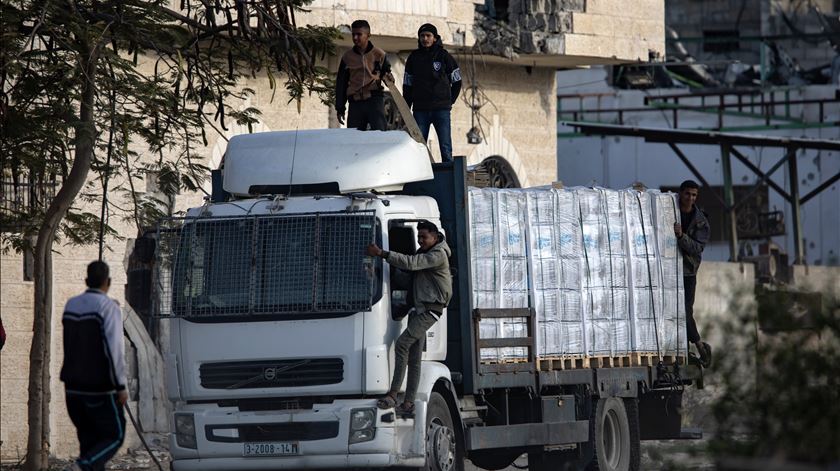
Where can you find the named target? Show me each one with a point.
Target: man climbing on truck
(431, 289)
(692, 231)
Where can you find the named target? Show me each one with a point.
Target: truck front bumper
(321, 435)
(364, 461)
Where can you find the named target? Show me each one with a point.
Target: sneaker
(706, 355)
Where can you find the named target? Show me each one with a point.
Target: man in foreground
(692, 231)
(94, 370)
(431, 290)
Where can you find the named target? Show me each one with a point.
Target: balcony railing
(22, 196)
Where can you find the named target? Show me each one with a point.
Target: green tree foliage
(162, 81)
(780, 381)
(124, 88)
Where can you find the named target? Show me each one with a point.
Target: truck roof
(345, 159)
(412, 206)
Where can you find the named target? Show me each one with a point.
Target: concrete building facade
(510, 59)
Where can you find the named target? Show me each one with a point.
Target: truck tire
(443, 450)
(631, 405)
(612, 437)
(494, 459)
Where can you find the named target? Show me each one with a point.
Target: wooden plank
(498, 313)
(506, 342)
(410, 123)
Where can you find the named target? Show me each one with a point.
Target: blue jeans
(440, 119)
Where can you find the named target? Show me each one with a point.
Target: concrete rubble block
(572, 5)
(560, 22)
(528, 42)
(554, 45)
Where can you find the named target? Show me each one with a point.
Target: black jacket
(432, 78)
(94, 348)
(693, 241)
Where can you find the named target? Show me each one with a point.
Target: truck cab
(282, 329)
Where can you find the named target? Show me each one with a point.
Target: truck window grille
(271, 373)
(265, 265)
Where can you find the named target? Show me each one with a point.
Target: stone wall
(752, 18)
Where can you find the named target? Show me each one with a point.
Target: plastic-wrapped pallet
(559, 317)
(570, 328)
(606, 304)
(666, 214)
(484, 245)
(499, 263)
(645, 284)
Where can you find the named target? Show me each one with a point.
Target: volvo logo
(270, 373)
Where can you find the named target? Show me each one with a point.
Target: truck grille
(271, 373)
(302, 431)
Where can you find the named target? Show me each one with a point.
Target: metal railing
(22, 197)
(265, 265)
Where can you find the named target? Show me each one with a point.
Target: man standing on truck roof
(359, 82)
(94, 370)
(431, 290)
(692, 231)
(432, 83)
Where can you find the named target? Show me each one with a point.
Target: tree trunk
(38, 445)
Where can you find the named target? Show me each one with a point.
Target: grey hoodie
(432, 281)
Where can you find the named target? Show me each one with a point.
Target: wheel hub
(441, 447)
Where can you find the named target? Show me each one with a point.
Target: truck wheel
(632, 407)
(494, 459)
(613, 441)
(443, 452)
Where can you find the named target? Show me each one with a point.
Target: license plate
(270, 449)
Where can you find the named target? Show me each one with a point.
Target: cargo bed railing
(503, 373)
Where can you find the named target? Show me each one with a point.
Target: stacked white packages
(666, 213)
(643, 268)
(554, 234)
(591, 262)
(499, 264)
(605, 299)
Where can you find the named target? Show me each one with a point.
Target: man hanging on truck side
(359, 81)
(431, 290)
(692, 231)
(431, 84)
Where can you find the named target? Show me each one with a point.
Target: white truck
(282, 330)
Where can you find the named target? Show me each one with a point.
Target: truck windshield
(268, 265)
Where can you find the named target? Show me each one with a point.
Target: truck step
(473, 408)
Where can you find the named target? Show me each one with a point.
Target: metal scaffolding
(727, 143)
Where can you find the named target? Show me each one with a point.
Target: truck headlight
(185, 431)
(362, 425)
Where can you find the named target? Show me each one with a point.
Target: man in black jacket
(359, 82)
(692, 233)
(432, 82)
(94, 370)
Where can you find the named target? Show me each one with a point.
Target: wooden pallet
(652, 359)
(572, 362)
(503, 361)
(577, 362)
